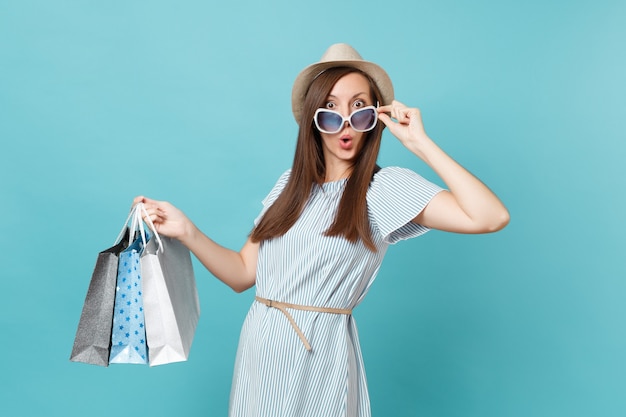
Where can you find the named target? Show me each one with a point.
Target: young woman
(320, 239)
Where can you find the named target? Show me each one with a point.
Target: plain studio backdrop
(189, 101)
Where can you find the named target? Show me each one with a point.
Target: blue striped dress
(275, 376)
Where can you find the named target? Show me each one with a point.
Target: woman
(320, 239)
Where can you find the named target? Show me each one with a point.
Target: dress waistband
(283, 306)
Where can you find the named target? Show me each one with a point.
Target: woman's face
(350, 93)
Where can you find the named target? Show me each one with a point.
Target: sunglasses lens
(329, 121)
(363, 119)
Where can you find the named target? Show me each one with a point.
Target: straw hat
(338, 55)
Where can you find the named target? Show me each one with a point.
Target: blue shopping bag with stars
(128, 340)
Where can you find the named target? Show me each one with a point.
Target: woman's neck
(337, 173)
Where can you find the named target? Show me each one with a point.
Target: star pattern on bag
(128, 338)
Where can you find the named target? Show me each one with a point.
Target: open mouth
(345, 142)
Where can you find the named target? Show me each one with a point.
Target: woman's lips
(345, 142)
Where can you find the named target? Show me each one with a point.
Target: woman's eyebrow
(354, 96)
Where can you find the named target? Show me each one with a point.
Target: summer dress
(275, 375)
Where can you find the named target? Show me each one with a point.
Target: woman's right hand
(167, 219)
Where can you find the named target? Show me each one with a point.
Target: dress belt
(283, 306)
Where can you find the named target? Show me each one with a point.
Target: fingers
(137, 200)
(154, 217)
(154, 208)
(388, 108)
(383, 117)
(405, 123)
(398, 111)
(147, 202)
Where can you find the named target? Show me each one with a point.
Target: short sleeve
(396, 196)
(273, 195)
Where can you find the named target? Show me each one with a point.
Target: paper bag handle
(137, 224)
(143, 210)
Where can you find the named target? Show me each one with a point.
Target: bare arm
(235, 269)
(470, 206)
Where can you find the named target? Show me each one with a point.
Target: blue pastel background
(189, 101)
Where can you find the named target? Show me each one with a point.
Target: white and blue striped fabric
(275, 376)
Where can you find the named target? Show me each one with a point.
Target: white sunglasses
(361, 120)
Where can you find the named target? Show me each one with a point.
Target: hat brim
(307, 75)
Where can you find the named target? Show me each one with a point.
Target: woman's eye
(330, 105)
(359, 104)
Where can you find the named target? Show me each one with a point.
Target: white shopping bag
(170, 300)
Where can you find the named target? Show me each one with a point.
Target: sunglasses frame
(344, 119)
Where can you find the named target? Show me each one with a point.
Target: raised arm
(469, 206)
(235, 269)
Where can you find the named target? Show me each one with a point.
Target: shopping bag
(128, 339)
(93, 336)
(171, 304)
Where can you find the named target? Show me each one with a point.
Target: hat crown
(341, 52)
(338, 55)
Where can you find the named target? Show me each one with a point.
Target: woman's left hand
(469, 206)
(404, 123)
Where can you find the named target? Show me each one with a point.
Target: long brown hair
(309, 168)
